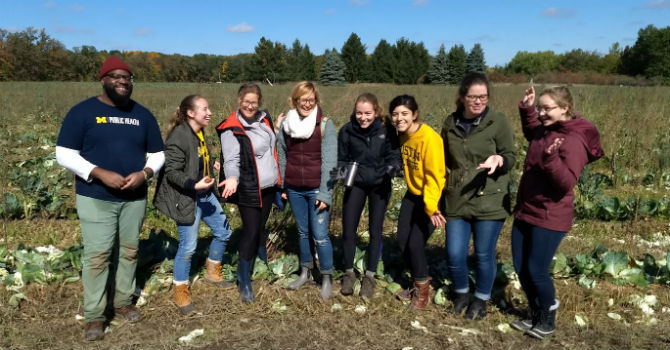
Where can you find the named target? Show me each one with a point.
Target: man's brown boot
(214, 276)
(182, 297)
(421, 295)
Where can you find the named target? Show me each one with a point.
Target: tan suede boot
(182, 297)
(214, 276)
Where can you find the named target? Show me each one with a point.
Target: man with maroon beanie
(113, 145)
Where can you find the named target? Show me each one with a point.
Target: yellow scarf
(202, 152)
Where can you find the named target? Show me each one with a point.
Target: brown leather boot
(214, 276)
(182, 297)
(421, 295)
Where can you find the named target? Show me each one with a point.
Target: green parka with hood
(472, 193)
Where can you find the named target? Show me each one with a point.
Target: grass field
(635, 131)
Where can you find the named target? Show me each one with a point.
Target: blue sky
(502, 27)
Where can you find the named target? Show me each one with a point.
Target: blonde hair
(371, 99)
(180, 114)
(563, 98)
(301, 89)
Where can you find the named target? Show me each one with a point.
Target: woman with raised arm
(561, 143)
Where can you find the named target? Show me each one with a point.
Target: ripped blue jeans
(311, 221)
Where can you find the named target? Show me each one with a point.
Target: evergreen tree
(332, 70)
(382, 63)
(456, 65)
(300, 63)
(270, 61)
(355, 61)
(439, 73)
(475, 61)
(412, 61)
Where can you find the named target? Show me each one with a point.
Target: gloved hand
(394, 171)
(338, 173)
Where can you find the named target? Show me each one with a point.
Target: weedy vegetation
(611, 272)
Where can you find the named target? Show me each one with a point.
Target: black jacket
(375, 149)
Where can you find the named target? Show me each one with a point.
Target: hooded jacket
(546, 196)
(471, 193)
(375, 149)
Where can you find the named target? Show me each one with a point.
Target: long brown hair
(180, 114)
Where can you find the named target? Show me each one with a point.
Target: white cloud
(73, 30)
(49, 4)
(656, 4)
(417, 3)
(240, 28)
(485, 37)
(359, 2)
(557, 13)
(330, 11)
(143, 31)
(77, 8)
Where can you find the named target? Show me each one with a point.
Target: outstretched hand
(529, 97)
(229, 187)
(492, 163)
(554, 145)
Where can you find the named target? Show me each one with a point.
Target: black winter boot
(460, 301)
(476, 310)
(546, 323)
(348, 281)
(530, 320)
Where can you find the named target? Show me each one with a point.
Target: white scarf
(298, 127)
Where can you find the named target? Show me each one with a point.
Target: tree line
(33, 55)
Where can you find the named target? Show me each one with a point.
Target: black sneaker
(545, 325)
(476, 310)
(368, 287)
(527, 322)
(460, 301)
(348, 283)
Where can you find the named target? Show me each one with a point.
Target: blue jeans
(209, 210)
(533, 249)
(311, 221)
(485, 236)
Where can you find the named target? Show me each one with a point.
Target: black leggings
(414, 229)
(253, 225)
(352, 207)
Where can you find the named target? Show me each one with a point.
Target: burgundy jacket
(546, 197)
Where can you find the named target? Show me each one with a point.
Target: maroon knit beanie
(111, 64)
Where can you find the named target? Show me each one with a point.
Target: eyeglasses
(304, 101)
(249, 104)
(545, 108)
(117, 77)
(473, 98)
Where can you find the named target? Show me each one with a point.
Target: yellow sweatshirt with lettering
(423, 160)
